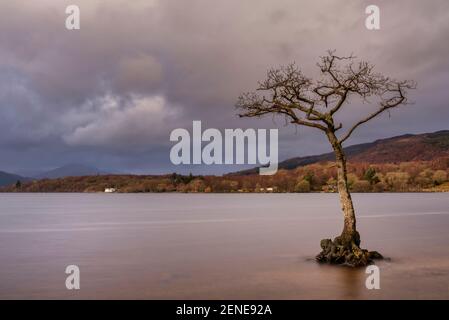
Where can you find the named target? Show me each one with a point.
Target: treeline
(321, 177)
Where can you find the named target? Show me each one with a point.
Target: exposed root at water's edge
(346, 252)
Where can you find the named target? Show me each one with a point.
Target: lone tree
(315, 103)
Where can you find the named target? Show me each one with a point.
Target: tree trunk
(345, 249)
(349, 233)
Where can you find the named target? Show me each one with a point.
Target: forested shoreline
(414, 176)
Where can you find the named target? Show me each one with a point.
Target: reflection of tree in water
(352, 281)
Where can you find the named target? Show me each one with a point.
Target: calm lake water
(217, 246)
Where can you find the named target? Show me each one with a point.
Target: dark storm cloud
(110, 93)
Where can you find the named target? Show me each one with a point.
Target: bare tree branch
(398, 98)
(313, 103)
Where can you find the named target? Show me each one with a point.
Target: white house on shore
(110, 190)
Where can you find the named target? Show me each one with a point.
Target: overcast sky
(109, 94)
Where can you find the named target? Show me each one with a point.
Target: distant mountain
(7, 179)
(397, 149)
(70, 170)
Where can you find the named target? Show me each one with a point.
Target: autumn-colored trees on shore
(321, 177)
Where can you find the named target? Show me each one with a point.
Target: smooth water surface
(218, 246)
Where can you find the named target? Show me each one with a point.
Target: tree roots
(345, 250)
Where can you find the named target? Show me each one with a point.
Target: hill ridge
(423, 146)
